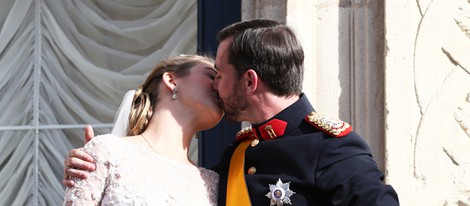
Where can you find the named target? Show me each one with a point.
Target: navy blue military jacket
(320, 169)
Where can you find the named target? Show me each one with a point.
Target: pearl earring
(173, 96)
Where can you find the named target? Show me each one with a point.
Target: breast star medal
(280, 193)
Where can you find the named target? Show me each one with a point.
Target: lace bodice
(127, 174)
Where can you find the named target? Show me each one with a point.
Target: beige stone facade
(399, 72)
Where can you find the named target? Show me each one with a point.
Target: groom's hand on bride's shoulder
(78, 163)
(89, 134)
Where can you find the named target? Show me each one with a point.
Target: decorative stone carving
(459, 200)
(462, 116)
(442, 87)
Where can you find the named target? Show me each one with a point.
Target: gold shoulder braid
(333, 127)
(245, 133)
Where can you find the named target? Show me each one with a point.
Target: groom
(291, 155)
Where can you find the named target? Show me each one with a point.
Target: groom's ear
(250, 80)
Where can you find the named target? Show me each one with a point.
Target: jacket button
(254, 142)
(252, 170)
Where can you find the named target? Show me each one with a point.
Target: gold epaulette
(245, 133)
(333, 127)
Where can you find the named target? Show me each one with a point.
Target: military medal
(280, 193)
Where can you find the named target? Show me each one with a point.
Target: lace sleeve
(90, 191)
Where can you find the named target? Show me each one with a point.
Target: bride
(151, 165)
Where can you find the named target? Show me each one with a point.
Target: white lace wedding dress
(127, 174)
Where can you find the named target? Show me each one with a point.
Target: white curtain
(67, 63)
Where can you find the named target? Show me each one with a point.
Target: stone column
(268, 9)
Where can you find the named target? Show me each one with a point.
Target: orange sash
(237, 192)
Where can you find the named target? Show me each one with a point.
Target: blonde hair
(147, 95)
